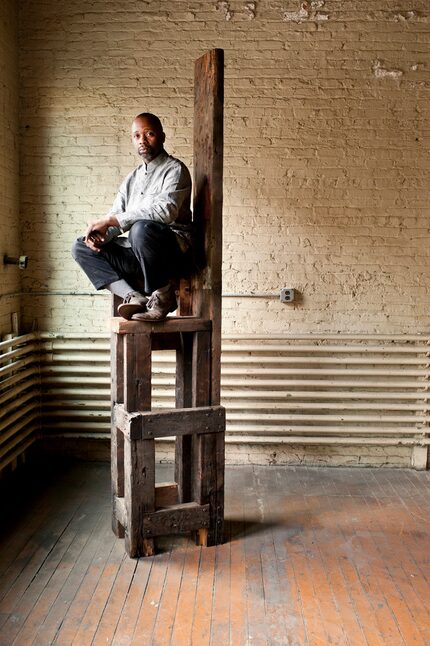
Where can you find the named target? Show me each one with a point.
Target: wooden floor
(312, 556)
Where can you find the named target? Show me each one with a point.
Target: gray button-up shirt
(159, 191)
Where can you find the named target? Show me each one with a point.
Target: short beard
(150, 155)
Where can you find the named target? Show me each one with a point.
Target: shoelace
(153, 300)
(132, 295)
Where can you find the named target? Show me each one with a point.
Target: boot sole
(147, 316)
(126, 310)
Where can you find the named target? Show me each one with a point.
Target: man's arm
(107, 228)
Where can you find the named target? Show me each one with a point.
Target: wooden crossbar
(153, 424)
(177, 519)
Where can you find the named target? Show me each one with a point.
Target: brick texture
(326, 150)
(9, 172)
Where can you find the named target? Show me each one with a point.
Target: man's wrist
(112, 221)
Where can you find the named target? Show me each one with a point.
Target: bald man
(153, 206)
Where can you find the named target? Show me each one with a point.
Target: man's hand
(96, 232)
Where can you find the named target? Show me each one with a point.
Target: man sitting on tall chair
(153, 206)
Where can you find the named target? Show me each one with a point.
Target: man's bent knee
(79, 248)
(144, 231)
(81, 253)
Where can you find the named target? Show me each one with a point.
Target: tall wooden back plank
(207, 198)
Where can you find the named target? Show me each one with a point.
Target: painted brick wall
(9, 172)
(326, 150)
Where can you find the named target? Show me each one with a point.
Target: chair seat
(170, 324)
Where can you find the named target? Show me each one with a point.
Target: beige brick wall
(9, 172)
(326, 150)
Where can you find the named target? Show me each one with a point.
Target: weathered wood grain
(166, 493)
(184, 399)
(171, 324)
(177, 519)
(316, 556)
(120, 511)
(185, 297)
(208, 196)
(137, 372)
(154, 424)
(139, 468)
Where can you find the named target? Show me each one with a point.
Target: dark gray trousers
(152, 260)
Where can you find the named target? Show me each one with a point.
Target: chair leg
(117, 438)
(202, 537)
(139, 494)
(208, 484)
(184, 374)
(117, 471)
(137, 372)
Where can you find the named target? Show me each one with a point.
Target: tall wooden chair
(142, 509)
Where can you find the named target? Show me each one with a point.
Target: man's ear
(163, 137)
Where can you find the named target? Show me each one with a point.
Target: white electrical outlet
(287, 295)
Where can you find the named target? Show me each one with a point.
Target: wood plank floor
(312, 556)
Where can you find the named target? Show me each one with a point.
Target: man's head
(147, 136)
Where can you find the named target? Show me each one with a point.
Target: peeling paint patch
(224, 8)
(308, 10)
(297, 16)
(405, 15)
(381, 72)
(250, 10)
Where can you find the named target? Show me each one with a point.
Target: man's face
(147, 138)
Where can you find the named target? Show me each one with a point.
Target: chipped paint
(381, 72)
(307, 11)
(405, 15)
(224, 8)
(297, 16)
(250, 10)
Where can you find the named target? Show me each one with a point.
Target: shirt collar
(152, 165)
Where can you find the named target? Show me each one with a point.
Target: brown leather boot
(134, 302)
(159, 305)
